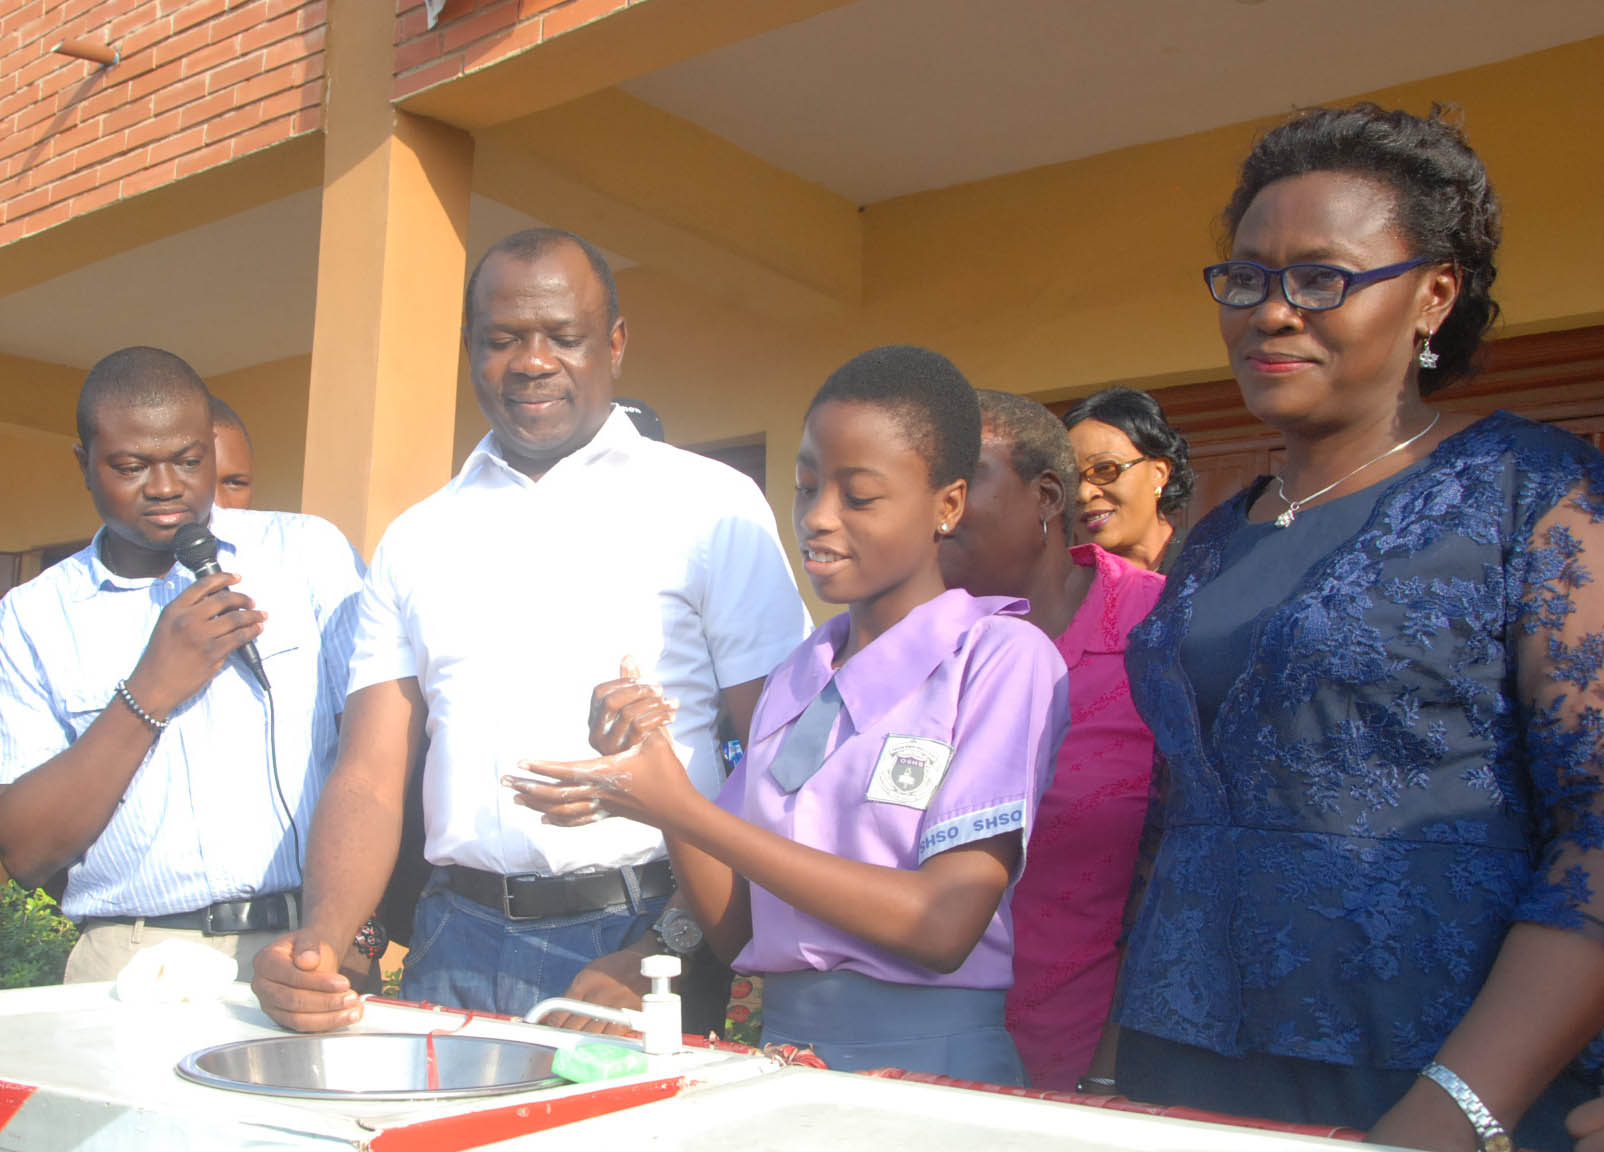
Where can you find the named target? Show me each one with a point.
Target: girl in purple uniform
(862, 856)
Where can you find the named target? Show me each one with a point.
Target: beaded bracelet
(133, 706)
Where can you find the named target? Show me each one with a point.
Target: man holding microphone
(136, 749)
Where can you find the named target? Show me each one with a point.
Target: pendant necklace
(1296, 506)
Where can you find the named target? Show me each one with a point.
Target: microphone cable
(278, 784)
(195, 548)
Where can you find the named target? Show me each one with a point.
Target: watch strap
(1490, 1134)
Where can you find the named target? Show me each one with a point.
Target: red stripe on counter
(476, 1129)
(12, 1097)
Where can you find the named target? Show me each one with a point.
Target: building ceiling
(229, 294)
(884, 98)
(872, 100)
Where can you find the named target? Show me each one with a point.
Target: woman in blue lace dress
(1375, 891)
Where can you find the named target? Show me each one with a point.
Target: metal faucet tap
(657, 1019)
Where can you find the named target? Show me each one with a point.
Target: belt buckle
(209, 923)
(506, 898)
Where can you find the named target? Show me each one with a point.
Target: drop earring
(1044, 533)
(1427, 358)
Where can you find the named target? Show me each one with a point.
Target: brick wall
(474, 33)
(200, 82)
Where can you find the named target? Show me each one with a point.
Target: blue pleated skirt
(855, 1022)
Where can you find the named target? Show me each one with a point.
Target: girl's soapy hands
(638, 773)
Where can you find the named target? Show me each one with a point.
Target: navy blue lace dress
(1380, 742)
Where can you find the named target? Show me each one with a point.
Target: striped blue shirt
(200, 821)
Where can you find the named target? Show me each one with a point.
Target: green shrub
(34, 938)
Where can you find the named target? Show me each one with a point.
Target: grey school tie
(802, 753)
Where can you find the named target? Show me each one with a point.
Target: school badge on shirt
(909, 771)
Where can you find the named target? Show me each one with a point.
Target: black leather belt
(279, 912)
(531, 897)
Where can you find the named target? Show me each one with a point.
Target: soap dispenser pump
(663, 1030)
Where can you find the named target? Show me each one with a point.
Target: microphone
(196, 549)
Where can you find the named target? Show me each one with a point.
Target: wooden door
(1589, 428)
(1221, 474)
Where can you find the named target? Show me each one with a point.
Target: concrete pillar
(391, 260)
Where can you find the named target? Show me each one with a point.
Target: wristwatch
(678, 930)
(372, 938)
(1490, 1134)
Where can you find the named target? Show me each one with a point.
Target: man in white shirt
(566, 543)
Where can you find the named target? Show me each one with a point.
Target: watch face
(372, 938)
(1498, 1143)
(680, 931)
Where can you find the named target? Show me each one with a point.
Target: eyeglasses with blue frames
(1312, 287)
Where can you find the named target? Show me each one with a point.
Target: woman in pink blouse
(1013, 540)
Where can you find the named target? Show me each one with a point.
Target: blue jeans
(465, 955)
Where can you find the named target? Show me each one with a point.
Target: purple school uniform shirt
(949, 727)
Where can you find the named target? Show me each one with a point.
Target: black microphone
(196, 549)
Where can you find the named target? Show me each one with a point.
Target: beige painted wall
(37, 394)
(49, 504)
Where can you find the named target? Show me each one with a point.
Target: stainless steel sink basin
(373, 1066)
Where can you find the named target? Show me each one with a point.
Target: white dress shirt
(510, 599)
(201, 821)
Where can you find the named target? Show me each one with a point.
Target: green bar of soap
(584, 1063)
